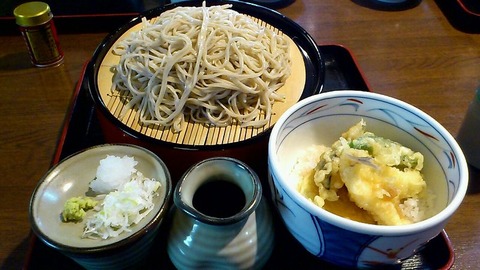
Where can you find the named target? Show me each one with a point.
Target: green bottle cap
(32, 13)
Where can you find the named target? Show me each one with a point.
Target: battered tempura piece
(381, 177)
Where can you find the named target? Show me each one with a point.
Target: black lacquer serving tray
(82, 130)
(463, 15)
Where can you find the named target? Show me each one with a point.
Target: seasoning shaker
(468, 136)
(35, 21)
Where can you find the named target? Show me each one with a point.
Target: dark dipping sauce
(219, 198)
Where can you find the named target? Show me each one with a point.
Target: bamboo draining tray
(195, 134)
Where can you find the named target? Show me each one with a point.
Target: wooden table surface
(415, 55)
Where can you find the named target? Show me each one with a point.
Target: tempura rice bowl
(321, 119)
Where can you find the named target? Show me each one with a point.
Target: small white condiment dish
(321, 119)
(70, 178)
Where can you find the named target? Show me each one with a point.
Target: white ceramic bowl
(71, 178)
(321, 119)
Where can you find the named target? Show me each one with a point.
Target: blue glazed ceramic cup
(221, 220)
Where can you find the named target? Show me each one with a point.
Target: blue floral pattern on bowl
(328, 236)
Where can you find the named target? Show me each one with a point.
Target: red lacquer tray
(82, 130)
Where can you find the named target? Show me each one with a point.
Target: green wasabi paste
(74, 209)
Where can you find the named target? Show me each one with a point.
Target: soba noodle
(211, 65)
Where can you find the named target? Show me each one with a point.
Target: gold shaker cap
(32, 13)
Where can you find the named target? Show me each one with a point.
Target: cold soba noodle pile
(211, 65)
